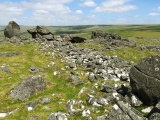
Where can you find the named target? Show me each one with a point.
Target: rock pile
(145, 80)
(12, 29)
(41, 33)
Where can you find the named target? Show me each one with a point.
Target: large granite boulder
(41, 33)
(145, 80)
(12, 29)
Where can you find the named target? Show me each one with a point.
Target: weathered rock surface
(104, 35)
(72, 39)
(34, 69)
(123, 111)
(5, 68)
(41, 33)
(57, 116)
(145, 80)
(12, 29)
(9, 54)
(31, 105)
(74, 106)
(28, 87)
(98, 34)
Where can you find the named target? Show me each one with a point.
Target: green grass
(19, 66)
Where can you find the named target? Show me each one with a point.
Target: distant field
(151, 31)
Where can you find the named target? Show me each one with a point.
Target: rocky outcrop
(41, 33)
(12, 29)
(28, 87)
(101, 34)
(72, 39)
(98, 34)
(145, 80)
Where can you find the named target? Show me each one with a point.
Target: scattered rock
(9, 54)
(31, 105)
(74, 107)
(5, 114)
(57, 116)
(34, 69)
(86, 113)
(123, 111)
(45, 100)
(5, 69)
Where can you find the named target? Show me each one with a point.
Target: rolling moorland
(58, 70)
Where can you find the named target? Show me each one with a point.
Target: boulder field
(134, 85)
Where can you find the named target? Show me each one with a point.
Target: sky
(79, 12)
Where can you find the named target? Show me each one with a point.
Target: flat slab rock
(9, 54)
(28, 87)
(145, 80)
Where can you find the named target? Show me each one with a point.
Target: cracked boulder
(145, 80)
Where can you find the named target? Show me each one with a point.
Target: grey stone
(57, 116)
(45, 100)
(145, 80)
(93, 101)
(154, 116)
(77, 82)
(34, 69)
(31, 105)
(12, 29)
(74, 107)
(123, 111)
(5, 69)
(9, 54)
(91, 77)
(28, 87)
(41, 33)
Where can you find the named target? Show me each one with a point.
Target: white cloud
(79, 12)
(91, 16)
(42, 11)
(88, 3)
(115, 6)
(8, 8)
(154, 14)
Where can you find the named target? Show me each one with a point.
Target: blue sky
(79, 12)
